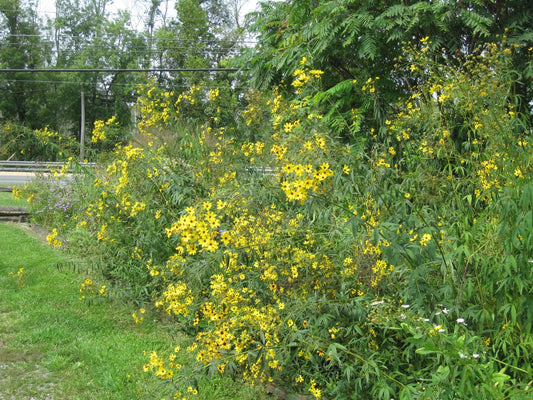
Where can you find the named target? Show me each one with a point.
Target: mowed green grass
(54, 345)
(6, 199)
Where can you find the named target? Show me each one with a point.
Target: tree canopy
(353, 39)
(84, 35)
(349, 40)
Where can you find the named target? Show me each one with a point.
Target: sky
(137, 8)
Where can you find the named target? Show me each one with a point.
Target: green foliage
(398, 266)
(360, 40)
(17, 142)
(21, 47)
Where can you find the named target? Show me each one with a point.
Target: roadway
(15, 178)
(8, 179)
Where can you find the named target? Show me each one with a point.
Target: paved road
(10, 179)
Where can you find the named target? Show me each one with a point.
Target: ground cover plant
(394, 265)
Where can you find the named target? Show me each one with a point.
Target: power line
(181, 86)
(154, 52)
(113, 70)
(144, 50)
(154, 39)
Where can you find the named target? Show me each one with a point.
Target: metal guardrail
(46, 166)
(261, 170)
(13, 214)
(35, 166)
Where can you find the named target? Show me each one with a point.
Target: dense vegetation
(359, 226)
(102, 55)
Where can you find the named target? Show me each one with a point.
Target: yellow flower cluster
(158, 365)
(52, 240)
(165, 369)
(213, 94)
(45, 135)
(197, 230)
(99, 131)
(316, 392)
(266, 259)
(304, 179)
(303, 75)
(252, 149)
(19, 276)
(253, 114)
(138, 318)
(88, 288)
(176, 299)
(160, 109)
(370, 85)
(425, 239)
(488, 174)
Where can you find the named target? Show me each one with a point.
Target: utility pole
(82, 128)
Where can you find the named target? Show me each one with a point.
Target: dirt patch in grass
(11, 355)
(37, 231)
(21, 375)
(19, 381)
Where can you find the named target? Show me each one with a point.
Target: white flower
(461, 321)
(445, 311)
(462, 355)
(375, 303)
(475, 355)
(405, 306)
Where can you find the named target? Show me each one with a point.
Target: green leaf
(429, 348)
(499, 378)
(442, 373)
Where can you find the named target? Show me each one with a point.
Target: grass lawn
(6, 199)
(55, 346)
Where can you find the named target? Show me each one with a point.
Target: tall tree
(21, 48)
(202, 35)
(87, 38)
(354, 39)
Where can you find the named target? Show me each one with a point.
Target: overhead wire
(110, 70)
(121, 49)
(153, 38)
(178, 51)
(140, 50)
(58, 82)
(179, 46)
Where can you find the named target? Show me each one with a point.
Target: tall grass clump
(20, 143)
(394, 265)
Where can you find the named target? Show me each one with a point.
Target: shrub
(18, 142)
(381, 269)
